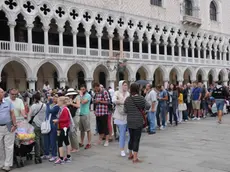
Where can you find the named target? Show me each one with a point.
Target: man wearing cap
(7, 128)
(220, 93)
(73, 107)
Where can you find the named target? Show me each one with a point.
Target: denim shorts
(220, 104)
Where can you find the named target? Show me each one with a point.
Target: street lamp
(119, 66)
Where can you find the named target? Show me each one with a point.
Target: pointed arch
(146, 70)
(164, 72)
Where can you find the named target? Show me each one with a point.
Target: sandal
(81, 145)
(130, 157)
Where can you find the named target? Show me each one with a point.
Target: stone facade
(172, 46)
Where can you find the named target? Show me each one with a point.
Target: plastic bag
(25, 131)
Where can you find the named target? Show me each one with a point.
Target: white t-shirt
(152, 97)
(18, 107)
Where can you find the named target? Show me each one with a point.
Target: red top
(64, 119)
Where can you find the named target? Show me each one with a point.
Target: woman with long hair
(134, 107)
(63, 122)
(120, 117)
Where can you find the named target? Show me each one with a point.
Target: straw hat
(71, 92)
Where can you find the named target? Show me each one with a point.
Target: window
(213, 13)
(156, 2)
(188, 7)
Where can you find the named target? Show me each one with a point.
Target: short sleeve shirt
(18, 107)
(5, 107)
(196, 93)
(84, 108)
(152, 97)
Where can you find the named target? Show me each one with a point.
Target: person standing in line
(188, 99)
(8, 126)
(101, 102)
(196, 97)
(50, 139)
(162, 105)
(220, 93)
(133, 106)
(151, 98)
(84, 122)
(38, 115)
(19, 108)
(120, 117)
(73, 107)
(173, 103)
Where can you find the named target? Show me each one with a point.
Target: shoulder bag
(32, 117)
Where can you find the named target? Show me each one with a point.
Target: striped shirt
(131, 107)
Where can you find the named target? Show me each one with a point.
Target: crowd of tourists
(57, 115)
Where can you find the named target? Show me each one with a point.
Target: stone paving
(194, 146)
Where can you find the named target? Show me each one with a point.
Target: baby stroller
(24, 143)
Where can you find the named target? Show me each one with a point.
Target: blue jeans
(161, 110)
(50, 140)
(152, 121)
(122, 136)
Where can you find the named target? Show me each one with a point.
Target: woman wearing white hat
(73, 107)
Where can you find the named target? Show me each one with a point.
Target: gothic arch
(146, 69)
(224, 74)
(191, 72)
(178, 72)
(213, 72)
(53, 62)
(203, 73)
(164, 72)
(27, 68)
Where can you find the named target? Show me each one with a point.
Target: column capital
(131, 39)
(140, 40)
(87, 33)
(172, 44)
(111, 80)
(30, 26)
(62, 79)
(74, 32)
(61, 30)
(12, 23)
(99, 35)
(89, 80)
(46, 28)
(132, 80)
(31, 79)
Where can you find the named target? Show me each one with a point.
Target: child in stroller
(212, 109)
(24, 143)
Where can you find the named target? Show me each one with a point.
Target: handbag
(142, 113)
(45, 126)
(32, 117)
(182, 107)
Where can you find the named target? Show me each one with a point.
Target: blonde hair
(63, 101)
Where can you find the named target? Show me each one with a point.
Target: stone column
(87, 35)
(149, 49)
(173, 49)
(99, 35)
(29, 31)
(224, 56)
(205, 53)
(121, 46)
(74, 32)
(215, 53)
(140, 48)
(32, 82)
(112, 84)
(225, 83)
(131, 46)
(60, 31)
(165, 49)
(12, 25)
(166, 83)
(46, 38)
(205, 82)
(157, 49)
(179, 49)
(89, 83)
(62, 82)
(180, 82)
(110, 44)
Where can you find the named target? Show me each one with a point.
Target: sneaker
(152, 132)
(198, 118)
(81, 145)
(45, 157)
(106, 144)
(53, 159)
(68, 160)
(59, 161)
(6, 168)
(186, 120)
(195, 118)
(162, 128)
(123, 153)
(88, 146)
